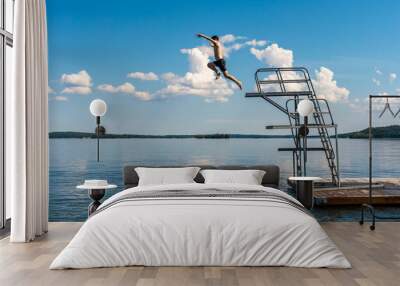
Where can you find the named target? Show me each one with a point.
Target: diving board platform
(290, 85)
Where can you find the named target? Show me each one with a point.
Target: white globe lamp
(305, 107)
(98, 108)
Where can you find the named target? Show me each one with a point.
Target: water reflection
(73, 160)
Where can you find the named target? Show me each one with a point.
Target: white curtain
(27, 124)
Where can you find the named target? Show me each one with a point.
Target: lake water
(73, 160)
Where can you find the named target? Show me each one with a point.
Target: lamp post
(98, 108)
(305, 108)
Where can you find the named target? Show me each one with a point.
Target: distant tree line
(82, 135)
(390, 132)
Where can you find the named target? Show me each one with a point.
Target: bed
(197, 224)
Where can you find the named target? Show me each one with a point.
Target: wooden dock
(355, 191)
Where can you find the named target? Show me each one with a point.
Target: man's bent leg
(234, 79)
(214, 68)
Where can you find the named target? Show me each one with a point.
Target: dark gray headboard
(271, 178)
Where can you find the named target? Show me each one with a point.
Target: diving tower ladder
(284, 88)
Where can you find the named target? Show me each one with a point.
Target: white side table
(305, 190)
(96, 190)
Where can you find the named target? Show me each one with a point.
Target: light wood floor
(375, 257)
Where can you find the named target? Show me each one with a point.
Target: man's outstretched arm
(207, 38)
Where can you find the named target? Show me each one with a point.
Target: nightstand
(305, 190)
(96, 190)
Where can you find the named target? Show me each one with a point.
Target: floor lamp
(305, 108)
(98, 108)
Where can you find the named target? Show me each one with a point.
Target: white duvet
(194, 231)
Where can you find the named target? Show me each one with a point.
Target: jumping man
(219, 59)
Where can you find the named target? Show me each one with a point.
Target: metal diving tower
(284, 88)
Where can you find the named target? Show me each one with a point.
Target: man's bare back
(219, 59)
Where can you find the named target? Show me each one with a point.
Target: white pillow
(248, 177)
(165, 176)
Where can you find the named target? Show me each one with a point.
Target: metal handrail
(278, 93)
(302, 77)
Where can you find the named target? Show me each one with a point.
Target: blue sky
(355, 41)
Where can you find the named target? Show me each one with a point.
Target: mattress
(201, 225)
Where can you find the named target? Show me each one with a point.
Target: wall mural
(175, 94)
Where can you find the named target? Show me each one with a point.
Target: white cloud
(125, 88)
(228, 50)
(375, 81)
(171, 77)
(274, 56)
(326, 87)
(357, 105)
(235, 46)
(229, 38)
(198, 81)
(143, 95)
(83, 90)
(107, 88)
(50, 90)
(60, 98)
(81, 78)
(378, 72)
(233, 43)
(392, 77)
(256, 43)
(143, 76)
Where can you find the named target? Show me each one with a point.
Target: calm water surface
(73, 160)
